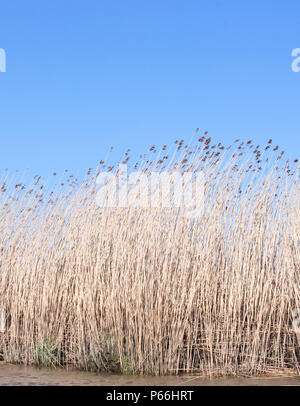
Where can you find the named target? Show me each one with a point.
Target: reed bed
(146, 290)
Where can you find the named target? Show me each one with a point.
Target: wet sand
(15, 375)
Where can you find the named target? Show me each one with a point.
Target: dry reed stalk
(151, 293)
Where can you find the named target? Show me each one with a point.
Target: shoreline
(21, 375)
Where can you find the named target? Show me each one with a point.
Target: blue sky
(83, 75)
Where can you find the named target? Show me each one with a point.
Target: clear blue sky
(83, 75)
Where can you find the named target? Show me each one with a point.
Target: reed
(146, 292)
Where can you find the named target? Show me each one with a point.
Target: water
(16, 375)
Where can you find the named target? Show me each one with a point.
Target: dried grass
(150, 293)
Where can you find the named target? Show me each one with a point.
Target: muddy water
(30, 376)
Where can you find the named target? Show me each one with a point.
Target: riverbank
(18, 375)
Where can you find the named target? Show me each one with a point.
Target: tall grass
(146, 292)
